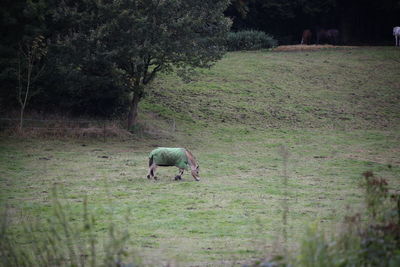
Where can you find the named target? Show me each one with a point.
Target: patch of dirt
(284, 48)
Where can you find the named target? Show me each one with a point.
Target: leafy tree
(136, 39)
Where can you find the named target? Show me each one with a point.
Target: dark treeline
(96, 58)
(63, 80)
(93, 57)
(359, 22)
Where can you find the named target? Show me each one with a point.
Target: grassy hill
(342, 88)
(335, 112)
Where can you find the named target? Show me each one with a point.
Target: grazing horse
(179, 157)
(330, 36)
(306, 37)
(396, 33)
(333, 36)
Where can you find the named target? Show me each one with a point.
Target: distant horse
(306, 37)
(333, 36)
(330, 36)
(396, 33)
(179, 157)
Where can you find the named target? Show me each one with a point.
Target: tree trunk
(133, 111)
(21, 118)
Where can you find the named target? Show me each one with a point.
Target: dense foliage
(63, 85)
(249, 40)
(101, 52)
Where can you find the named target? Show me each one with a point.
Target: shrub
(250, 40)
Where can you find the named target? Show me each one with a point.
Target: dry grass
(285, 48)
(63, 127)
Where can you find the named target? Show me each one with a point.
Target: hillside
(354, 88)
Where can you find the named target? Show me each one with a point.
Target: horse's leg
(148, 173)
(152, 171)
(179, 176)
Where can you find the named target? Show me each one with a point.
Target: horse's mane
(191, 157)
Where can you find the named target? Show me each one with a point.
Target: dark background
(359, 22)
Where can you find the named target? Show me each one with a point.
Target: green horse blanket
(166, 156)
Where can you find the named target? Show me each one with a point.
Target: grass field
(335, 111)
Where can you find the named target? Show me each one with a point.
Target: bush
(250, 40)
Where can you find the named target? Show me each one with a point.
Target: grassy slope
(336, 111)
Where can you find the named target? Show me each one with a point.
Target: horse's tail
(150, 161)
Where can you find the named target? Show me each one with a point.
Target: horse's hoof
(148, 177)
(178, 178)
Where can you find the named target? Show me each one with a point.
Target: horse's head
(194, 166)
(195, 172)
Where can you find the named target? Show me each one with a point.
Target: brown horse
(330, 36)
(179, 157)
(306, 37)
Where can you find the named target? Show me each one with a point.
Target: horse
(306, 37)
(396, 34)
(330, 36)
(181, 158)
(333, 36)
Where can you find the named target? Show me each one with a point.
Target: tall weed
(372, 241)
(370, 238)
(59, 241)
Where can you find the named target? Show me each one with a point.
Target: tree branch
(152, 74)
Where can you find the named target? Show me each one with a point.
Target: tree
(30, 67)
(136, 39)
(22, 50)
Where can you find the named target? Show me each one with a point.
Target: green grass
(336, 111)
